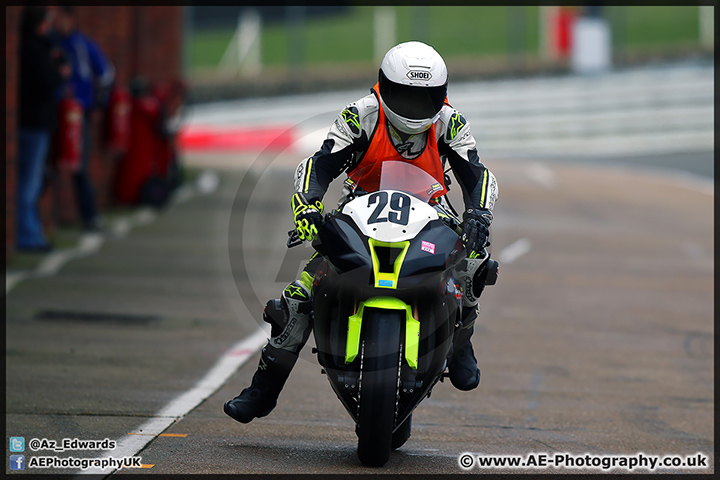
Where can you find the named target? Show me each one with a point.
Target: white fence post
(243, 52)
(548, 49)
(385, 22)
(591, 45)
(706, 15)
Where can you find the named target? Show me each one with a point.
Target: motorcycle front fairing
(369, 253)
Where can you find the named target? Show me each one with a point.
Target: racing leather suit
(344, 148)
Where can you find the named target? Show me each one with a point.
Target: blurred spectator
(92, 77)
(42, 69)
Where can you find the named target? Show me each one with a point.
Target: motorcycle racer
(406, 117)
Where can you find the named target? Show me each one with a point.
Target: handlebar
(293, 239)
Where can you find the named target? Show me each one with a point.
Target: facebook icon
(17, 462)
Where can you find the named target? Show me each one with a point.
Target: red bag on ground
(143, 153)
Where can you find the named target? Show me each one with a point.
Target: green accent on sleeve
(457, 122)
(483, 194)
(294, 291)
(412, 328)
(307, 280)
(297, 205)
(307, 177)
(304, 229)
(351, 119)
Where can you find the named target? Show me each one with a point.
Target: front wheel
(378, 384)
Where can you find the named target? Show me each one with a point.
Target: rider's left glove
(476, 229)
(308, 216)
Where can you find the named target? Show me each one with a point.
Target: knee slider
(296, 304)
(297, 299)
(473, 275)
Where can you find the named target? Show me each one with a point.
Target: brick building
(138, 40)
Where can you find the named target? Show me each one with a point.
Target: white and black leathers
(350, 136)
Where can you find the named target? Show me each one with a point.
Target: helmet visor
(415, 103)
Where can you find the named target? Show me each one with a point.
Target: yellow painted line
(161, 435)
(144, 465)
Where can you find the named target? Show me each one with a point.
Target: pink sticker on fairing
(427, 247)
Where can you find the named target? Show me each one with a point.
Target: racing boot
(291, 320)
(463, 372)
(259, 399)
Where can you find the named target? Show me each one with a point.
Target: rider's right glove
(308, 216)
(475, 227)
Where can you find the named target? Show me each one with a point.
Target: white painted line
(512, 252)
(543, 175)
(144, 216)
(224, 368)
(121, 227)
(51, 265)
(90, 243)
(12, 278)
(208, 182)
(184, 193)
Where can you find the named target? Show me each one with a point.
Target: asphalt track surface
(598, 337)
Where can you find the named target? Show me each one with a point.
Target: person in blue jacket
(90, 82)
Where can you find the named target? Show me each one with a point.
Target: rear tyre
(401, 435)
(378, 386)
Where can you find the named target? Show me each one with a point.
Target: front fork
(412, 328)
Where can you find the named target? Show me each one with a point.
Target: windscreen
(404, 176)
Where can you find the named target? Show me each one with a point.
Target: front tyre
(378, 384)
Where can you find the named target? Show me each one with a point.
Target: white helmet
(413, 86)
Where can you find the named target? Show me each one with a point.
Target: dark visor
(415, 103)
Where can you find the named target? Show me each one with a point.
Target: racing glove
(308, 216)
(476, 229)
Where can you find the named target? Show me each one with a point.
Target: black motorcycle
(387, 304)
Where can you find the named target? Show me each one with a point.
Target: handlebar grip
(293, 239)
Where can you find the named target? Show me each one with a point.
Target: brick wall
(138, 40)
(155, 26)
(12, 20)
